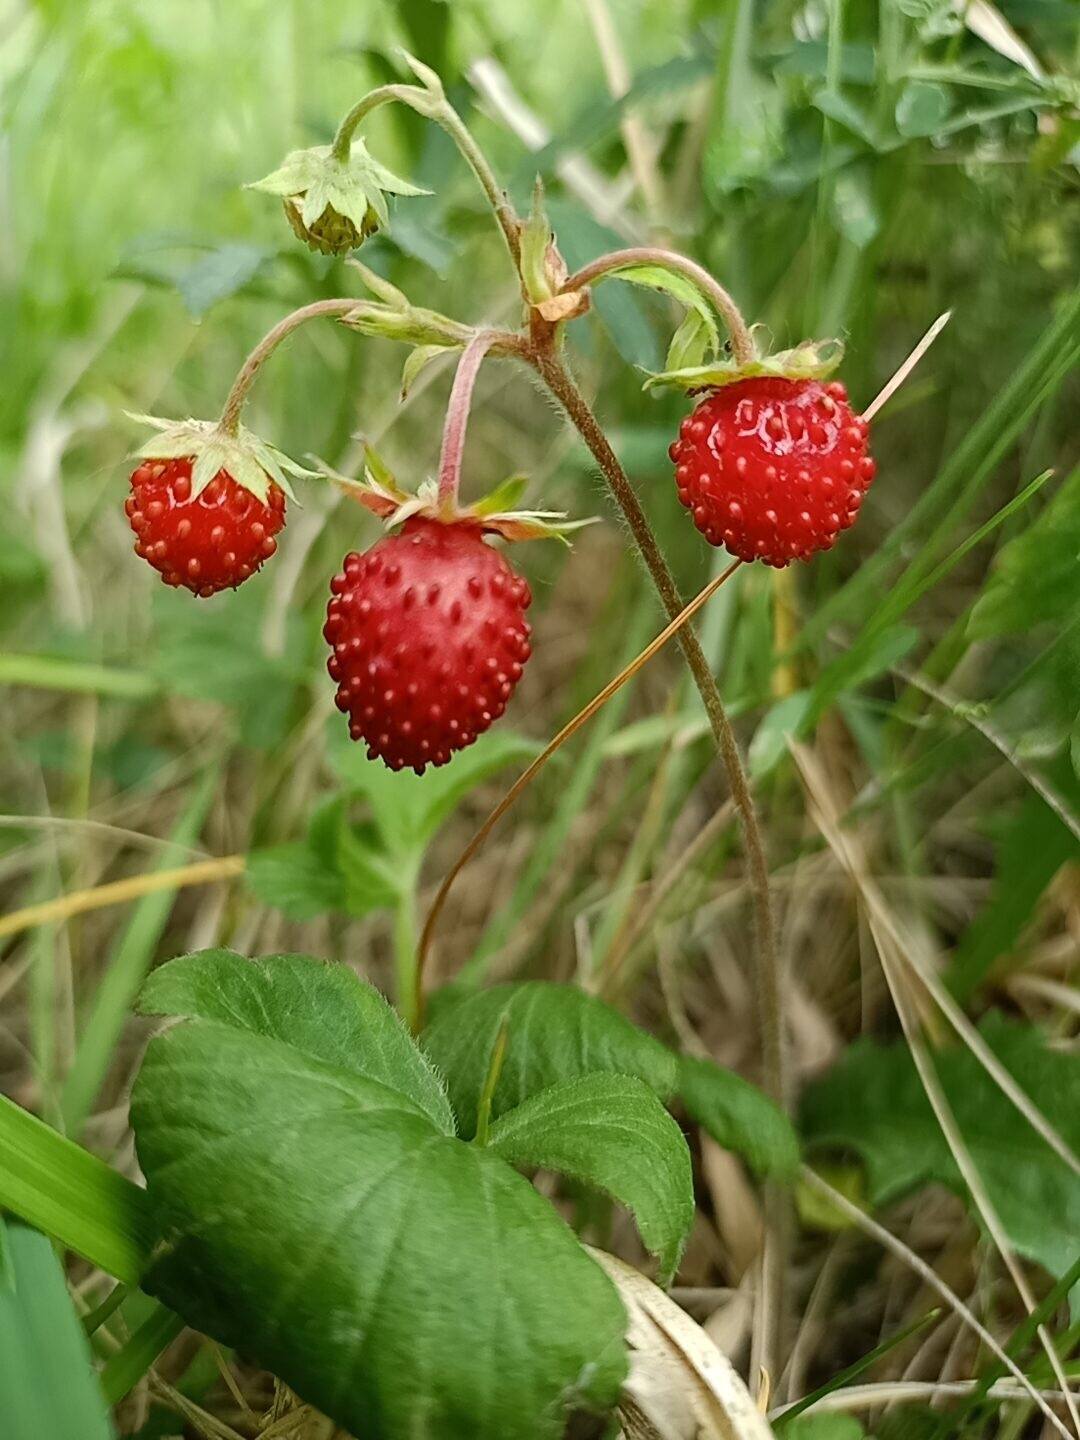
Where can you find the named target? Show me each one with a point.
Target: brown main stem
(767, 970)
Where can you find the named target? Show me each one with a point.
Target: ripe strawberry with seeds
(773, 468)
(207, 542)
(429, 639)
(207, 502)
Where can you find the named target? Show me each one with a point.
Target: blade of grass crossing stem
(48, 1389)
(123, 1371)
(950, 495)
(574, 795)
(127, 967)
(62, 1189)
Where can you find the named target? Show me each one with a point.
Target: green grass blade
(47, 672)
(48, 1390)
(123, 1371)
(127, 969)
(966, 471)
(72, 1195)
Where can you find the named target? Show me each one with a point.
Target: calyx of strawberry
(334, 201)
(691, 367)
(251, 461)
(495, 514)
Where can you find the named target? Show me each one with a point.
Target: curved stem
(457, 414)
(234, 403)
(438, 108)
(566, 392)
(767, 968)
(741, 344)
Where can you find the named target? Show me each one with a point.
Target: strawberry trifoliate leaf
(307, 1212)
(610, 1132)
(738, 1116)
(873, 1101)
(554, 1033)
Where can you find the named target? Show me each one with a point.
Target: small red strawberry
(429, 638)
(773, 468)
(207, 542)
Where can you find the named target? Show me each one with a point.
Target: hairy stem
(457, 414)
(767, 969)
(742, 345)
(438, 108)
(234, 403)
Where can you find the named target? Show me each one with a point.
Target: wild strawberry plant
(342, 1200)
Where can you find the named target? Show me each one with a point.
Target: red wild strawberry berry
(429, 638)
(211, 543)
(773, 469)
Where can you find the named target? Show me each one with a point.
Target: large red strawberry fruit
(429, 638)
(773, 469)
(210, 543)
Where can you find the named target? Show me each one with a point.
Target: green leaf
(408, 809)
(922, 109)
(295, 880)
(319, 1221)
(1032, 847)
(690, 343)
(738, 1116)
(417, 360)
(872, 1101)
(612, 1133)
(323, 1011)
(48, 1389)
(219, 274)
(674, 283)
(746, 125)
(555, 1033)
(821, 1427)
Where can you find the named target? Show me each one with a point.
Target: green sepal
(495, 514)
(251, 461)
(812, 360)
(536, 240)
(334, 202)
(413, 325)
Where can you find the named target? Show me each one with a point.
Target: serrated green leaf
(555, 1033)
(612, 1133)
(738, 1116)
(319, 1010)
(309, 1214)
(47, 1383)
(872, 1101)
